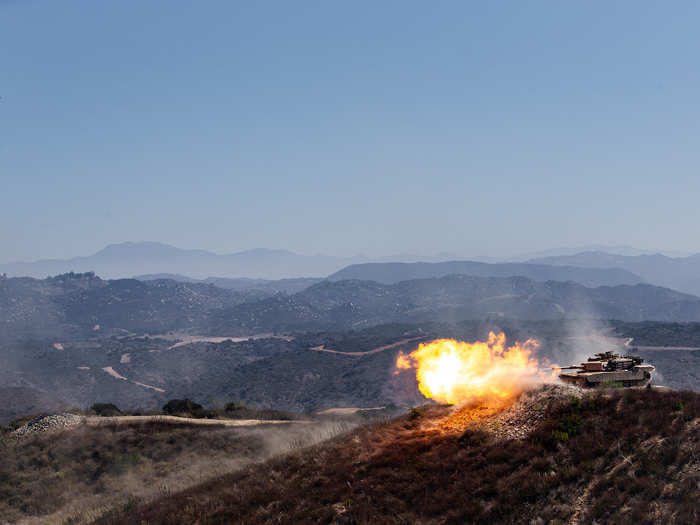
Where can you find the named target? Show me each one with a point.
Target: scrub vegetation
(614, 457)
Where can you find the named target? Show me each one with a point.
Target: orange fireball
(454, 372)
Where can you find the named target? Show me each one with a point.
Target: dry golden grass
(73, 476)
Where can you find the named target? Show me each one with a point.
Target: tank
(608, 369)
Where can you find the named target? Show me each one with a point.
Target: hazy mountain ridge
(678, 273)
(391, 273)
(142, 258)
(607, 248)
(127, 259)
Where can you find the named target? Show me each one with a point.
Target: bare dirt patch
(111, 371)
(144, 385)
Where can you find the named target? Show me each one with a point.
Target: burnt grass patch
(611, 457)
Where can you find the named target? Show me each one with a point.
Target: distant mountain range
(606, 248)
(391, 273)
(143, 258)
(139, 258)
(678, 273)
(274, 271)
(146, 259)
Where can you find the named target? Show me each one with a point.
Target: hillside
(72, 474)
(20, 401)
(679, 273)
(84, 305)
(279, 373)
(357, 304)
(610, 457)
(86, 340)
(137, 372)
(241, 284)
(153, 306)
(78, 304)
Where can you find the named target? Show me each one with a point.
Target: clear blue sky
(347, 127)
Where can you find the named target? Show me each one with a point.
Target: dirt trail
(98, 420)
(144, 385)
(346, 410)
(322, 348)
(111, 371)
(184, 339)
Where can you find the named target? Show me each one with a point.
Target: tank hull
(638, 376)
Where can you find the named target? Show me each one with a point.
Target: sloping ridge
(20, 401)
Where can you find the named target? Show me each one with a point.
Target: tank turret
(609, 368)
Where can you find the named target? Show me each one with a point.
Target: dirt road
(346, 410)
(97, 421)
(368, 352)
(185, 339)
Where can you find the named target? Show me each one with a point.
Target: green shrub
(570, 423)
(560, 436)
(576, 403)
(182, 406)
(105, 409)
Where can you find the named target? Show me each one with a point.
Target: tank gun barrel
(575, 367)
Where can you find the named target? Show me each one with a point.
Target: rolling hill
(84, 304)
(80, 304)
(241, 284)
(356, 304)
(20, 401)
